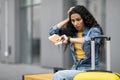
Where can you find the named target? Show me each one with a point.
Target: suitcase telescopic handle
(107, 38)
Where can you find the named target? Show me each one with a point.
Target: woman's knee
(64, 75)
(60, 75)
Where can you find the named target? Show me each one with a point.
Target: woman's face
(77, 21)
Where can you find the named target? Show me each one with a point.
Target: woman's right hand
(70, 9)
(64, 22)
(64, 39)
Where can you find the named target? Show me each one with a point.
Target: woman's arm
(76, 40)
(56, 28)
(94, 32)
(64, 22)
(66, 39)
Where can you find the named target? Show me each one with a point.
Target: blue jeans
(68, 74)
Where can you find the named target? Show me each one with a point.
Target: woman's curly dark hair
(87, 17)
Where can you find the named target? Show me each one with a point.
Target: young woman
(76, 31)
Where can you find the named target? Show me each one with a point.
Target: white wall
(113, 29)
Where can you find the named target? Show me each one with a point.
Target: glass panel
(37, 1)
(25, 2)
(36, 35)
(36, 21)
(25, 35)
(30, 32)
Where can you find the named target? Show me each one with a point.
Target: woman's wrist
(67, 19)
(68, 39)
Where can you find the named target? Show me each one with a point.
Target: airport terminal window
(30, 28)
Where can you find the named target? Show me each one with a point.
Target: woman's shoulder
(92, 29)
(95, 29)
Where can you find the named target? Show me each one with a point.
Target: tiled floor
(16, 71)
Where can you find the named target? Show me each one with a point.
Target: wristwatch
(68, 39)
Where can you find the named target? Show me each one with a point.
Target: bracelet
(68, 39)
